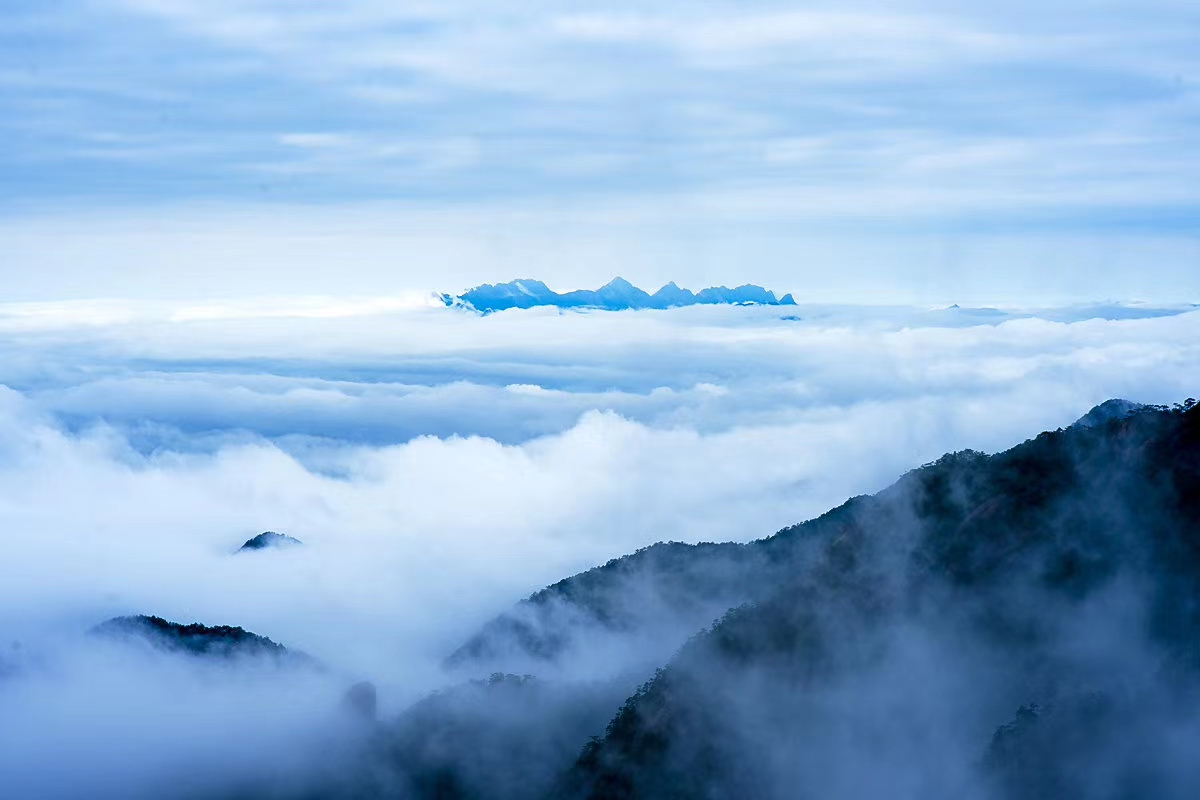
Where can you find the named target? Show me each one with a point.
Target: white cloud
(832, 43)
(839, 145)
(621, 430)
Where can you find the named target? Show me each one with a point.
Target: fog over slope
(439, 467)
(1060, 579)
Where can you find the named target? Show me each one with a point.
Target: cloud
(439, 466)
(834, 44)
(913, 153)
(131, 723)
(926, 112)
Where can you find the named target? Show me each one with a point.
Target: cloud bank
(920, 149)
(440, 466)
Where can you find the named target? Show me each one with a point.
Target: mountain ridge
(616, 295)
(542, 627)
(198, 639)
(995, 564)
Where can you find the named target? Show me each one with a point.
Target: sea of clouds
(439, 466)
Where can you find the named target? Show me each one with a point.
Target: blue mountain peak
(616, 295)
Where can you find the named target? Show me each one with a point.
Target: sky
(861, 152)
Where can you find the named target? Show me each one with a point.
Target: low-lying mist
(434, 482)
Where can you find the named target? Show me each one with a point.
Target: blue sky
(910, 151)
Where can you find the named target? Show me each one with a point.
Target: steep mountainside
(663, 593)
(1063, 575)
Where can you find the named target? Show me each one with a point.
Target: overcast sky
(916, 151)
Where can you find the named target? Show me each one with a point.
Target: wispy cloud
(1070, 119)
(502, 75)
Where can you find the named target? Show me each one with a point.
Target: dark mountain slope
(654, 598)
(209, 641)
(1065, 567)
(973, 508)
(672, 585)
(268, 540)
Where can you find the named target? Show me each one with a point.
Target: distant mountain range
(616, 295)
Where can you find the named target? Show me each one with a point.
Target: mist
(439, 467)
(987, 627)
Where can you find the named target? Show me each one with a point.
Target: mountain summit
(1109, 410)
(616, 295)
(268, 540)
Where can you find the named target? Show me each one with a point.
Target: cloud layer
(440, 465)
(815, 146)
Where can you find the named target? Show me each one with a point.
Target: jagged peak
(618, 294)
